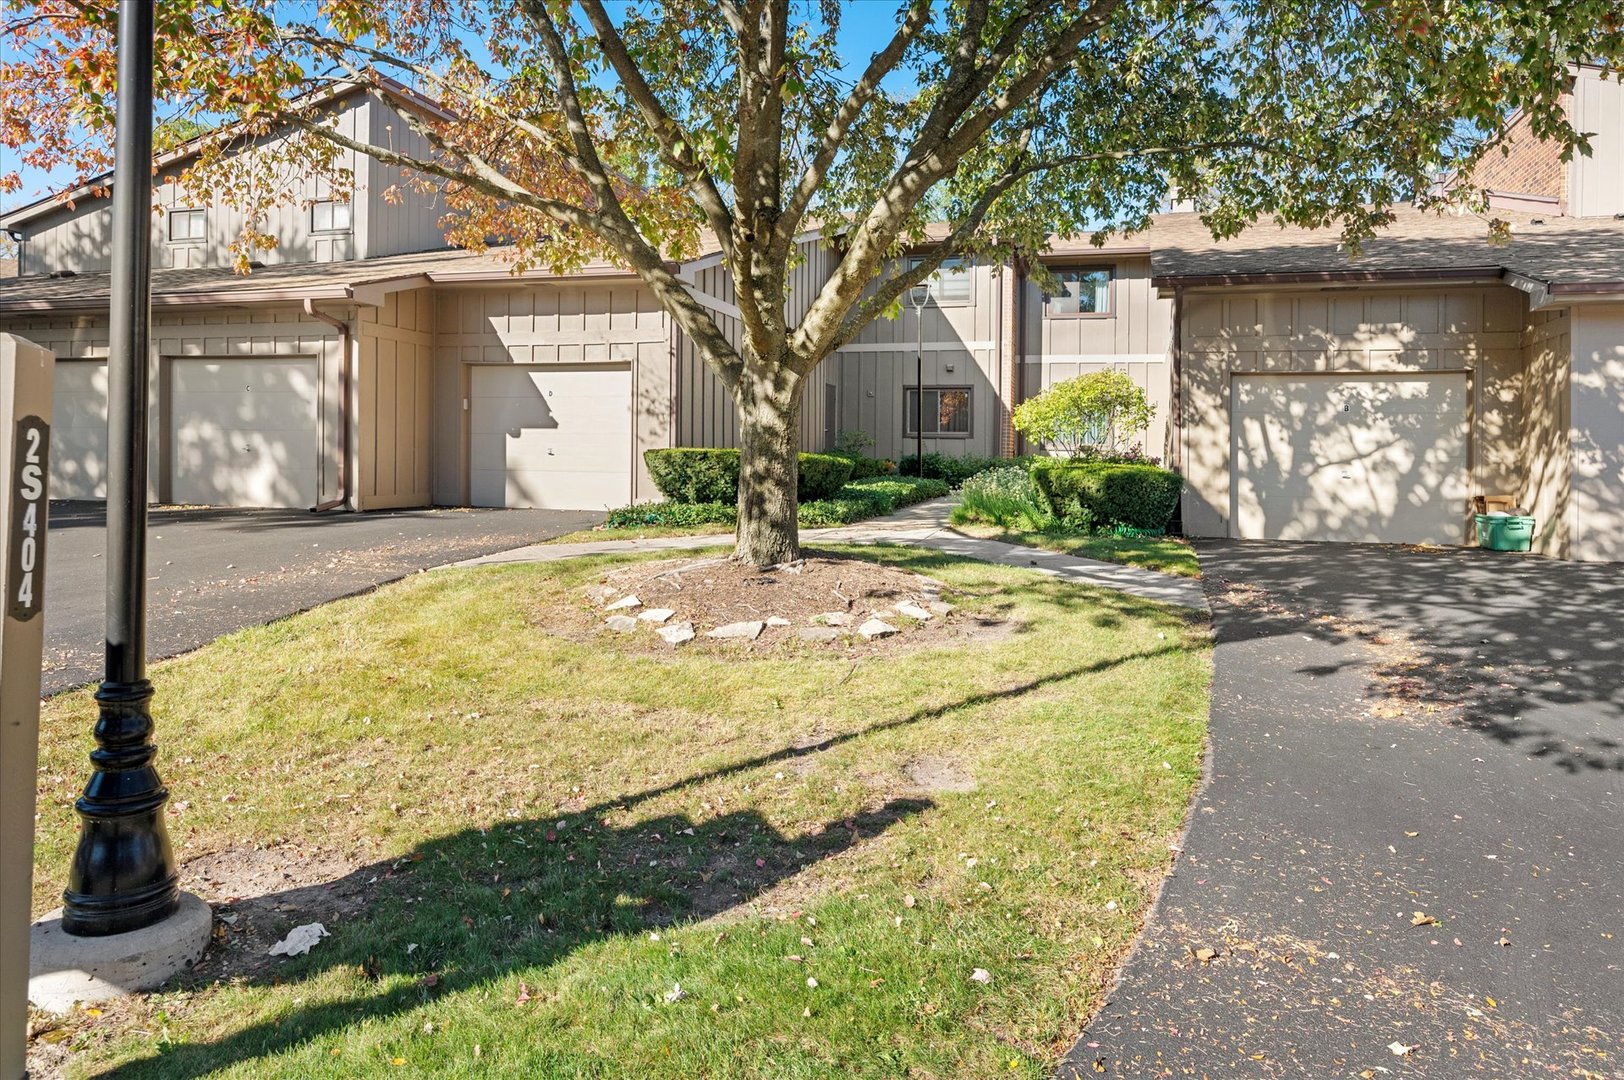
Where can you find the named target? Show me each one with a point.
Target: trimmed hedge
(954, 469)
(1137, 496)
(856, 501)
(863, 466)
(695, 474)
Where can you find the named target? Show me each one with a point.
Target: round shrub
(1138, 496)
(822, 475)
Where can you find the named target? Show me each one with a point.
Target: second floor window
(951, 283)
(187, 226)
(1083, 291)
(330, 215)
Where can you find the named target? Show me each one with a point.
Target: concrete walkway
(923, 524)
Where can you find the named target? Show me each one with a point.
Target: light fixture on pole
(918, 297)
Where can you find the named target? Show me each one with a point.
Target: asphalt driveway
(1408, 859)
(214, 571)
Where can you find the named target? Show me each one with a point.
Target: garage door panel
(557, 438)
(245, 432)
(1363, 459)
(79, 430)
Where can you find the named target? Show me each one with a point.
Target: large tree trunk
(769, 467)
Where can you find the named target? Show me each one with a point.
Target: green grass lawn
(1164, 554)
(640, 532)
(551, 835)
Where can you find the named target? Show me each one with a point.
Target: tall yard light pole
(123, 875)
(918, 297)
(125, 924)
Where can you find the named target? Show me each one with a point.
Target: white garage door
(79, 430)
(552, 437)
(244, 432)
(1379, 458)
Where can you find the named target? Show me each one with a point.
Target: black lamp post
(918, 297)
(123, 875)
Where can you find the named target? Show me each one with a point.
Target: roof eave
(1329, 277)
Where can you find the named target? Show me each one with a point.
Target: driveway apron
(1408, 858)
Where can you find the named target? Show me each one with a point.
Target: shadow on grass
(484, 903)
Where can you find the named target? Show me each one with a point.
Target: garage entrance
(244, 432)
(79, 430)
(1378, 458)
(557, 437)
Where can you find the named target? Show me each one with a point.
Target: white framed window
(330, 215)
(188, 226)
(952, 283)
(1085, 293)
(947, 412)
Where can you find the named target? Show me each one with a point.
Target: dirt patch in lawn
(818, 602)
(258, 894)
(939, 774)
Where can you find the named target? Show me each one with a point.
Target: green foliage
(856, 501)
(853, 443)
(822, 476)
(863, 467)
(1102, 413)
(1004, 497)
(954, 469)
(671, 514)
(1138, 496)
(874, 497)
(692, 474)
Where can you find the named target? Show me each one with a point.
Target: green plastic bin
(1504, 532)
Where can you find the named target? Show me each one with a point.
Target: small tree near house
(572, 129)
(1102, 413)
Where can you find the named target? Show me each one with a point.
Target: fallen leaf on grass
(524, 994)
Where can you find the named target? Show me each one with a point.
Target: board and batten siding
(705, 412)
(1546, 445)
(217, 334)
(1596, 180)
(397, 215)
(1478, 331)
(1596, 519)
(577, 323)
(961, 350)
(393, 394)
(1134, 338)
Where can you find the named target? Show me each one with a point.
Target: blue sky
(865, 26)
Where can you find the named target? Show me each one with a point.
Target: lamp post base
(65, 968)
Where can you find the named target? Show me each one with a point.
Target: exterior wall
(220, 333)
(1134, 338)
(1547, 451)
(578, 322)
(1476, 330)
(705, 412)
(961, 349)
(80, 238)
(394, 215)
(1529, 166)
(1596, 183)
(1597, 516)
(393, 395)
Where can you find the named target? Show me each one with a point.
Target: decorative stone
(621, 623)
(746, 630)
(820, 633)
(625, 603)
(656, 614)
(63, 969)
(877, 628)
(677, 633)
(913, 611)
(940, 607)
(833, 618)
(777, 620)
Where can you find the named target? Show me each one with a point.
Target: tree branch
(834, 136)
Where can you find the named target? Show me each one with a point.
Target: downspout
(1176, 406)
(343, 329)
(1017, 440)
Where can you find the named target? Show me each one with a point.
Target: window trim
(1110, 293)
(315, 231)
(969, 408)
(968, 300)
(172, 214)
